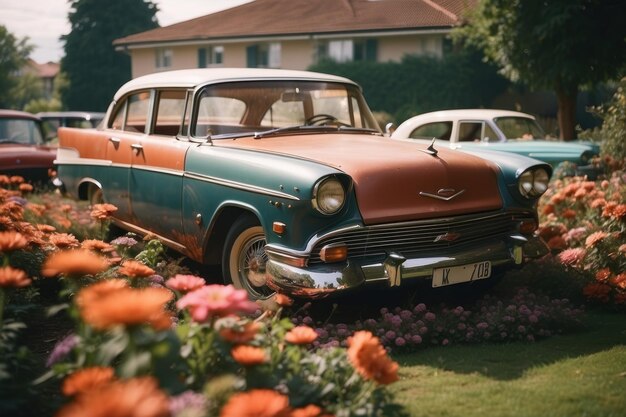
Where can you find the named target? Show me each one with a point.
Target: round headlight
(329, 195)
(533, 182)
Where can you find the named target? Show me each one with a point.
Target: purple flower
(423, 330)
(370, 323)
(461, 326)
(307, 320)
(420, 308)
(445, 342)
(417, 339)
(521, 329)
(396, 321)
(482, 325)
(124, 241)
(533, 319)
(400, 341)
(406, 315)
(186, 402)
(390, 335)
(62, 349)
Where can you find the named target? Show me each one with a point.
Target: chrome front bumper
(325, 279)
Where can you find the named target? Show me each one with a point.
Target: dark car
(22, 148)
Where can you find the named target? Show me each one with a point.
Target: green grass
(579, 374)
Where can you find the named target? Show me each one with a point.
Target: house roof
(269, 18)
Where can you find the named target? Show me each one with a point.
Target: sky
(44, 21)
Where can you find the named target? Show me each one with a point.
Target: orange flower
(620, 281)
(603, 274)
(557, 242)
(597, 291)
(46, 228)
(11, 277)
(128, 307)
(137, 397)
(63, 240)
(257, 403)
(86, 379)
(74, 262)
(240, 334)
(16, 179)
(135, 269)
(569, 214)
(598, 203)
(102, 211)
(99, 290)
(65, 208)
(25, 188)
(248, 355)
(370, 359)
(595, 238)
(310, 410)
(548, 209)
(301, 335)
(96, 245)
(608, 209)
(619, 212)
(10, 241)
(283, 300)
(4, 180)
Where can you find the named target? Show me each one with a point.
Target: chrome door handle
(114, 141)
(137, 148)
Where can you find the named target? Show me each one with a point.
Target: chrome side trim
(175, 172)
(240, 186)
(83, 161)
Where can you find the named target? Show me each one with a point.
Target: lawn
(577, 374)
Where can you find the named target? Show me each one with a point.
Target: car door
(157, 167)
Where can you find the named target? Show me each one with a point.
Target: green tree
(559, 45)
(13, 58)
(93, 68)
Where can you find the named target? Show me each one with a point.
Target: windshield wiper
(298, 128)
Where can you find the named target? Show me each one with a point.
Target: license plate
(463, 273)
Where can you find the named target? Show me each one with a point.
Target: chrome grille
(419, 236)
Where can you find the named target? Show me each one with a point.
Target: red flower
(603, 274)
(597, 291)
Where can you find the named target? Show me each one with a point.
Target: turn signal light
(334, 253)
(279, 228)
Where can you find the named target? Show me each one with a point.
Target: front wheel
(244, 258)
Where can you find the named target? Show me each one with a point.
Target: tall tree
(94, 69)
(560, 45)
(13, 58)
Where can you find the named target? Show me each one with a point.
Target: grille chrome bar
(420, 236)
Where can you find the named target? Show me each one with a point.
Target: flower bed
(151, 335)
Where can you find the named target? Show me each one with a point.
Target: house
(294, 34)
(46, 72)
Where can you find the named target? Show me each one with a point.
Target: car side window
(169, 111)
(438, 130)
(470, 131)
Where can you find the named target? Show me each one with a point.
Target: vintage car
(22, 148)
(285, 179)
(500, 130)
(52, 121)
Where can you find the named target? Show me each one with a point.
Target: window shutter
(202, 58)
(251, 56)
(371, 50)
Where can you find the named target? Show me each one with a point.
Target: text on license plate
(463, 273)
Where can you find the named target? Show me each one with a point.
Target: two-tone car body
(284, 178)
(498, 130)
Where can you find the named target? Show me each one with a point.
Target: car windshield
(18, 130)
(251, 107)
(520, 128)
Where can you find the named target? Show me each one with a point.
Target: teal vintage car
(285, 180)
(499, 130)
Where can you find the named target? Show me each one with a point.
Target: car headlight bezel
(533, 182)
(329, 195)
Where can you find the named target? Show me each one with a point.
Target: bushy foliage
(420, 84)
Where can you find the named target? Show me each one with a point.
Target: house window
(210, 56)
(163, 58)
(348, 50)
(265, 55)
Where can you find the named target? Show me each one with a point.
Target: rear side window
(132, 113)
(438, 130)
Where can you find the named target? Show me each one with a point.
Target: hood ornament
(445, 194)
(431, 149)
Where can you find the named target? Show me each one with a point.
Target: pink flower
(572, 257)
(185, 283)
(216, 301)
(594, 238)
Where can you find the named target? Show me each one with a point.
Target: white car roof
(471, 114)
(190, 78)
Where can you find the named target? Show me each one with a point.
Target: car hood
(393, 181)
(544, 150)
(22, 156)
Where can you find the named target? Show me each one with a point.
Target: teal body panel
(275, 188)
